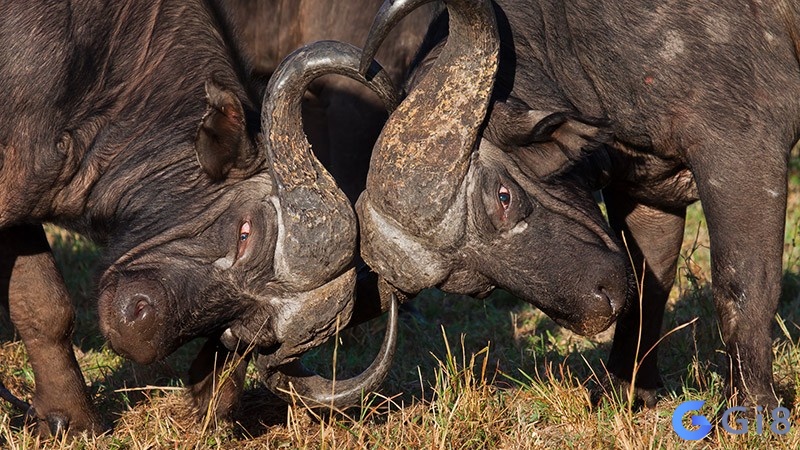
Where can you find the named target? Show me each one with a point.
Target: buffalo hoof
(54, 424)
(58, 423)
(207, 400)
(617, 389)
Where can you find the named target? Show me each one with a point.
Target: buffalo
(517, 111)
(129, 122)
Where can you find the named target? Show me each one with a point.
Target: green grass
(492, 373)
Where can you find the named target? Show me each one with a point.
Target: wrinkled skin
(663, 104)
(138, 133)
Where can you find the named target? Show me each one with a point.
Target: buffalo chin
(139, 352)
(588, 327)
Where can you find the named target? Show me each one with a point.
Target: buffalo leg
(745, 210)
(43, 315)
(654, 239)
(217, 375)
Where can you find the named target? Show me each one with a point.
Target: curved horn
(316, 224)
(422, 155)
(293, 377)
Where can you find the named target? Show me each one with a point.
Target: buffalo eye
(244, 235)
(504, 196)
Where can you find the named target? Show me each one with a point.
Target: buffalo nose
(136, 310)
(615, 300)
(131, 311)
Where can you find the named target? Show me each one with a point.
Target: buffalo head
(265, 255)
(467, 195)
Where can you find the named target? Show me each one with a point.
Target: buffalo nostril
(143, 307)
(613, 301)
(139, 308)
(131, 316)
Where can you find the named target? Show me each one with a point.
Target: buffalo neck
(131, 97)
(542, 65)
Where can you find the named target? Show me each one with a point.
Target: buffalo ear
(222, 141)
(545, 142)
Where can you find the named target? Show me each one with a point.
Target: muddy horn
(422, 155)
(316, 229)
(317, 225)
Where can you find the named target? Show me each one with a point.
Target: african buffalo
(481, 180)
(128, 122)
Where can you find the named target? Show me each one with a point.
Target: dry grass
(469, 374)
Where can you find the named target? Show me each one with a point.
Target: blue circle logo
(702, 424)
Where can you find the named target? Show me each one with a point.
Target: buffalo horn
(316, 224)
(294, 378)
(421, 158)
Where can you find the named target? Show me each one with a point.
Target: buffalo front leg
(744, 200)
(653, 237)
(43, 315)
(216, 380)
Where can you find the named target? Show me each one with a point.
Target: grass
(469, 373)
